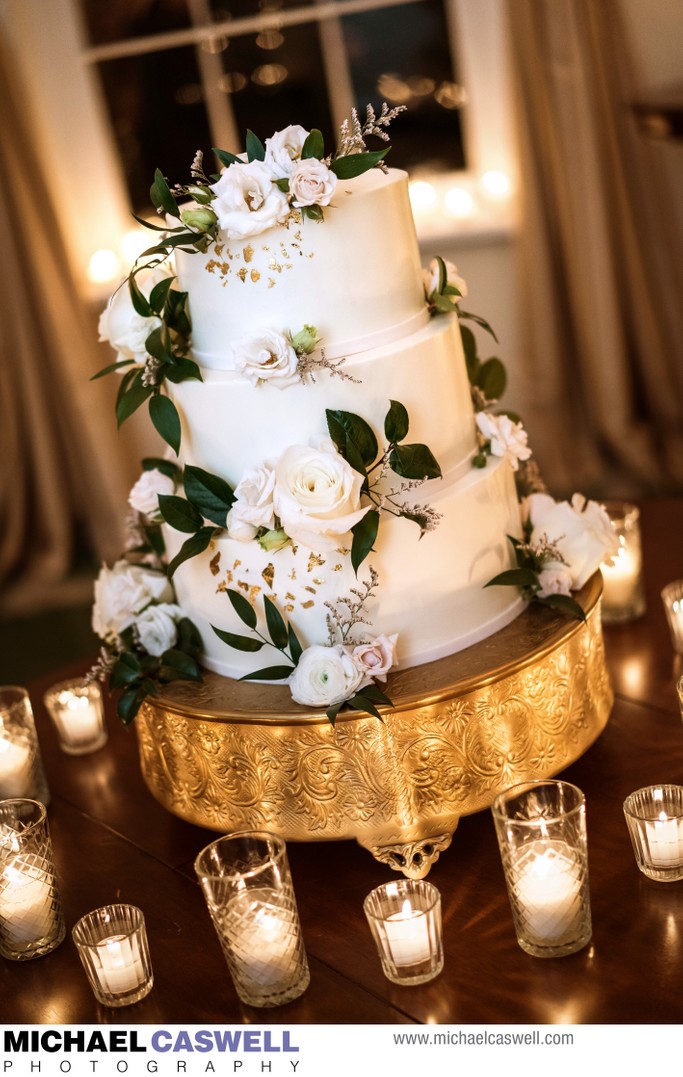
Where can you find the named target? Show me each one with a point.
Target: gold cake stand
(523, 704)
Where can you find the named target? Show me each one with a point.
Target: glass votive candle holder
(623, 595)
(31, 921)
(672, 597)
(78, 715)
(112, 946)
(248, 888)
(405, 920)
(21, 766)
(654, 817)
(541, 830)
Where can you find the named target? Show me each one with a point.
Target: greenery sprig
(531, 561)
(135, 674)
(207, 497)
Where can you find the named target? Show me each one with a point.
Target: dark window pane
(118, 20)
(400, 55)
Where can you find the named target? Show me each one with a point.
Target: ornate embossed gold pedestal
(523, 704)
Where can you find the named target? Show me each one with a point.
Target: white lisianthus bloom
(253, 507)
(122, 593)
(121, 325)
(266, 356)
(377, 657)
(582, 532)
(508, 439)
(144, 496)
(157, 627)
(312, 183)
(317, 497)
(247, 201)
(555, 579)
(325, 676)
(431, 276)
(283, 150)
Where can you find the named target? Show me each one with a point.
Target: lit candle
(78, 718)
(263, 937)
(120, 964)
(620, 579)
(548, 888)
(408, 935)
(664, 841)
(26, 907)
(15, 768)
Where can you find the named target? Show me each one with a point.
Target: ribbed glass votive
(112, 946)
(405, 920)
(654, 816)
(623, 595)
(21, 767)
(31, 921)
(672, 598)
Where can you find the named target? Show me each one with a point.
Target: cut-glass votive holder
(541, 830)
(112, 946)
(672, 597)
(31, 921)
(623, 595)
(654, 817)
(405, 920)
(21, 767)
(248, 888)
(77, 712)
(679, 689)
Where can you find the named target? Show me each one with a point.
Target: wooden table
(113, 842)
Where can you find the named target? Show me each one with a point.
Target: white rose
(325, 675)
(312, 183)
(508, 439)
(377, 657)
(283, 150)
(266, 356)
(555, 579)
(317, 497)
(254, 505)
(582, 532)
(122, 326)
(247, 201)
(121, 593)
(144, 497)
(431, 278)
(157, 628)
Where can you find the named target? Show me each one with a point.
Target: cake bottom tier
(522, 704)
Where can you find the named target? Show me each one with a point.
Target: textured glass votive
(31, 922)
(112, 946)
(21, 768)
(623, 596)
(78, 715)
(672, 597)
(405, 920)
(541, 829)
(654, 817)
(248, 888)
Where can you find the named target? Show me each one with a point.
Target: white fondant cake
(356, 278)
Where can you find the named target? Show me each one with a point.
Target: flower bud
(203, 195)
(201, 218)
(273, 540)
(306, 340)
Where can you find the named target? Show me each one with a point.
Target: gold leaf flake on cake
(318, 582)
(337, 568)
(289, 607)
(271, 282)
(314, 560)
(242, 274)
(236, 564)
(269, 574)
(307, 605)
(222, 587)
(214, 564)
(255, 275)
(274, 265)
(311, 590)
(248, 253)
(292, 574)
(290, 596)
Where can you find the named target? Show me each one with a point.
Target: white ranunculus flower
(157, 627)
(122, 326)
(325, 675)
(508, 439)
(266, 356)
(312, 183)
(582, 532)
(317, 497)
(121, 593)
(283, 150)
(247, 201)
(377, 657)
(144, 496)
(430, 278)
(253, 507)
(555, 579)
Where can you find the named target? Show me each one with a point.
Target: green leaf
(130, 702)
(295, 648)
(196, 544)
(492, 379)
(179, 369)
(155, 345)
(130, 400)
(514, 577)
(156, 540)
(180, 514)
(314, 145)
(111, 368)
(375, 693)
(443, 274)
(563, 603)
(277, 629)
(161, 196)
(240, 643)
(242, 607)
(176, 665)
(313, 213)
(164, 415)
(469, 344)
(226, 158)
(140, 303)
(442, 303)
(166, 467)
(333, 711)
(189, 639)
(270, 673)
(127, 670)
(478, 321)
(282, 185)
(256, 151)
(344, 425)
(354, 164)
(364, 534)
(362, 702)
(211, 494)
(414, 462)
(157, 297)
(396, 422)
